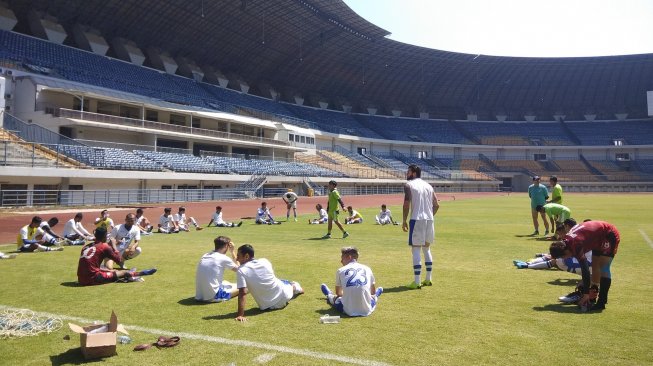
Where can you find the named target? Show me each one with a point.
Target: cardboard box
(99, 340)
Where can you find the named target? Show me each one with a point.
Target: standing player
(556, 213)
(354, 217)
(166, 223)
(74, 231)
(256, 276)
(538, 195)
(323, 216)
(126, 238)
(600, 237)
(385, 216)
(290, 198)
(332, 210)
(421, 201)
(356, 291)
(219, 222)
(30, 238)
(183, 221)
(556, 190)
(89, 271)
(209, 277)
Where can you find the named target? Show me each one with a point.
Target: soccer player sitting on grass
(143, 223)
(332, 210)
(256, 276)
(183, 221)
(555, 212)
(323, 216)
(104, 221)
(74, 231)
(356, 291)
(125, 238)
(219, 222)
(264, 217)
(385, 216)
(30, 238)
(210, 285)
(290, 198)
(354, 217)
(89, 271)
(602, 239)
(167, 224)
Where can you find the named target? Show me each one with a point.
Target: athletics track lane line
(648, 240)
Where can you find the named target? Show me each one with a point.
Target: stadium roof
(322, 48)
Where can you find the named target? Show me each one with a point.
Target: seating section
(182, 162)
(639, 132)
(411, 129)
(332, 121)
(530, 133)
(271, 167)
(109, 158)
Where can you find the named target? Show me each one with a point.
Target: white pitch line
(648, 240)
(232, 342)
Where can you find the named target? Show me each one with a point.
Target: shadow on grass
(71, 284)
(525, 236)
(389, 290)
(563, 282)
(559, 308)
(543, 238)
(248, 313)
(190, 301)
(71, 357)
(318, 238)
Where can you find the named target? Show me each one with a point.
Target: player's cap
(536, 177)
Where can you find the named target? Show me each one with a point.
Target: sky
(532, 28)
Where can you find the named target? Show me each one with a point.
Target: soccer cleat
(240, 224)
(146, 272)
(571, 298)
(546, 232)
(297, 288)
(378, 292)
(414, 286)
(56, 249)
(520, 264)
(345, 234)
(295, 219)
(427, 283)
(198, 228)
(597, 307)
(325, 289)
(535, 233)
(327, 236)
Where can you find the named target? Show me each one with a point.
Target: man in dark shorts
(600, 237)
(89, 271)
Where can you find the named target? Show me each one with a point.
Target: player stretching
(290, 198)
(602, 238)
(419, 196)
(332, 210)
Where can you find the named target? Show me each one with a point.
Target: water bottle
(330, 319)
(124, 339)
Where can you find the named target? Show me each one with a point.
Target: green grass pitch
(480, 310)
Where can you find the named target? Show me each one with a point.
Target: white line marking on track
(648, 240)
(265, 358)
(220, 340)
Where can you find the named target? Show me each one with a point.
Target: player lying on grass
(74, 232)
(356, 291)
(184, 221)
(143, 223)
(210, 285)
(256, 276)
(385, 216)
(264, 217)
(126, 238)
(556, 213)
(332, 210)
(217, 220)
(167, 224)
(31, 238)
(324, 217)
(602, 239)
(290, 198)
(89, 271)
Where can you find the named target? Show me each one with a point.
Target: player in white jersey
(218, 221)
(290, 198)
(126, 238)
(48, 235)
(183, 221)
(356, 291)
(30, 238)
(263, 215)
(256, 276)
(324, 217)
(166, 223)
(421, 201)
(143, 223)
(74, 231)
(210, 285)
(385, 216)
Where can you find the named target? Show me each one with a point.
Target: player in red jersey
(600, 237)
(89, 271)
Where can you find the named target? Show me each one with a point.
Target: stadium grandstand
(119, 102)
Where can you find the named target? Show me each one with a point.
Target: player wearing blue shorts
(210, 285)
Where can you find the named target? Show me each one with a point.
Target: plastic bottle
(124, 339)
(330, 319)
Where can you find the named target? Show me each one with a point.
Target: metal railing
(131, 122)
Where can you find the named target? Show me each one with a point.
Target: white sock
(417, 263)
(428, 261)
